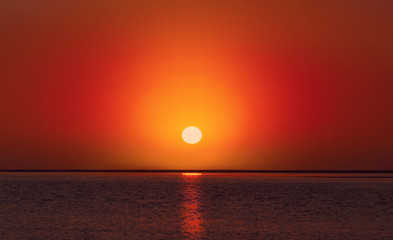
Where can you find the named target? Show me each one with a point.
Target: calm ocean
(210, 206)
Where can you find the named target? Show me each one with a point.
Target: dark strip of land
(197, 170)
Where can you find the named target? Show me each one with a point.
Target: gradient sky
(272, 84)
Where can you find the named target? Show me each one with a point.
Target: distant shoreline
(202, 171)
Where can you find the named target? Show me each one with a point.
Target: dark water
(172, 206)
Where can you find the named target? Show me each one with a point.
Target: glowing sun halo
(192, 135)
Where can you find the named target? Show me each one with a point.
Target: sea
(195, 206)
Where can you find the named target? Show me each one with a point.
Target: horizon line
(197, 170)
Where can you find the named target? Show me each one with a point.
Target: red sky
(272, 85)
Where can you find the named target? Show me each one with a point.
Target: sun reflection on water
(189, 174)
(192, 218)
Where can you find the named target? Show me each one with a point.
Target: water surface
(208, 206)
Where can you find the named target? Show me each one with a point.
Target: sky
(272, 85)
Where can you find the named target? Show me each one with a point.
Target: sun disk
(192, 135)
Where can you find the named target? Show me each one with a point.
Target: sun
(192, 135)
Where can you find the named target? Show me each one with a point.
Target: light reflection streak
(192, 218)
(191, 174)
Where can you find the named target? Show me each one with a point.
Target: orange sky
(272, 85)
